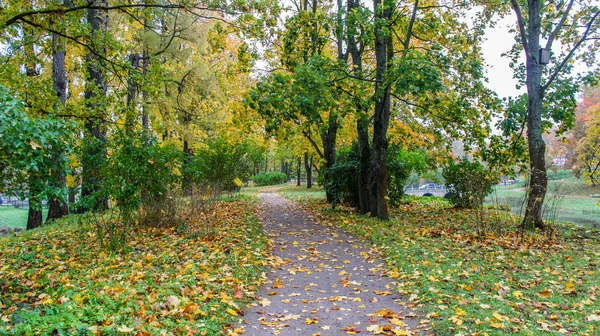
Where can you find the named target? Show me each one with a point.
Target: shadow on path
(322, 281)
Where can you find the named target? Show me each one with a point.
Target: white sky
(499, 74)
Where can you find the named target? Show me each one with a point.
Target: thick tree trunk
(381, 118)
(34, 217)
(364, 168)
(362, 122)
(308, 169)
(298, 167)
(537, 147)
(329, 144)
(58, 207)
(95, 93)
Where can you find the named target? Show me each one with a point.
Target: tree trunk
(145, 118)
(362, 122)
(58, 207)
(95, 94)
(364, 168)
(132, 88)
(308, 169)
(537, 147)
(34, 217)
(329, 143)
(298, 170)
(187, 156)
(383, 52)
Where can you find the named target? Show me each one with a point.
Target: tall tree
(58, 206)
(574, 25)
(95, 102)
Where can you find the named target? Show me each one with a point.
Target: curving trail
(322, 281)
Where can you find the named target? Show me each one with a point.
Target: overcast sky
(500, 75)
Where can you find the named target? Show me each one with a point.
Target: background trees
(401, 75)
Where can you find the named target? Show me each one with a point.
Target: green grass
(496, 284)
(16, 217)
(581, 210)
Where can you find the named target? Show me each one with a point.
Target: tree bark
(95, 94)
(187, 157)
(58, 207)
(132, 88)
(537, 147)
(383, 52)
(329, 138)
(308, 169)
(34, 217)
(362, 122)
(298, 167)
(145, 117)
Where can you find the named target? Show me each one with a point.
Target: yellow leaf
(124, 329)
(309, 321)
(517, 294)
(231, 312)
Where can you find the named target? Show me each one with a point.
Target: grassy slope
(467, 285)
(58, 278)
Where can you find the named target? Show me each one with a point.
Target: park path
(322, 281)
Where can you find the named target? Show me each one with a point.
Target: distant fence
(9, 201)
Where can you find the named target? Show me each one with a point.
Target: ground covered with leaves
(57, 280)
(471, 282)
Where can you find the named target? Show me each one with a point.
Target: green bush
(343, 176)
(221, 163)
(263, 179)
(343, 181)
(138, 171)
(470, 183)
(400, 165)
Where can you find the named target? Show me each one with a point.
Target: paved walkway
(322, 281)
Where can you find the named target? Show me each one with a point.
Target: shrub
(221, 163)
(343, 176)
(272, 178)
(470, 183)
(400, 165)
(138, 172)
(343, 181)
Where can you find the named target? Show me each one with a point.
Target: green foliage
(343, 176)
(401, 163)
(470, 182)
(220, 163)
(29, 150)
(270, 178)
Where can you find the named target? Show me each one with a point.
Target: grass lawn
(15, 217)
(468, 284)
(57, 280)
(582, 210)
